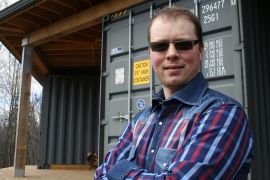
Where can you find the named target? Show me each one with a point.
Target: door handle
(121, 117)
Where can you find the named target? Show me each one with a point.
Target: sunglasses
(179, 45)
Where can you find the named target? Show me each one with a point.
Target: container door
(126, 72)
(222, 62)
(128, 82)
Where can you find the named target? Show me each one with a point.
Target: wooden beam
(38, 75)
(66, 5)
(10, 47)
(39, 62)
(22, 118)
(67, 47)
(12, 29)
(70, 167)
(78, 21)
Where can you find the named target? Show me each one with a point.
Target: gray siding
(69, 120)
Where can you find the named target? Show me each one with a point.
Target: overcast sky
(5, 3)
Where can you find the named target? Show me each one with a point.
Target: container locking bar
(121, 117)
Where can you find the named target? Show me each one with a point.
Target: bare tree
(9, 99)
(9, 83)
(34, 131)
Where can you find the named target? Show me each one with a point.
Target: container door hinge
(105, 74)
(238, 47)
(103, 122)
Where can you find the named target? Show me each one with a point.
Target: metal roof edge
(16, 8)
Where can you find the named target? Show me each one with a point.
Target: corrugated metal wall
(69, 120)
(257, 52)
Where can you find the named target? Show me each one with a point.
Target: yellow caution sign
(141, 72)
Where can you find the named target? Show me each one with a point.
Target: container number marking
(210, 8)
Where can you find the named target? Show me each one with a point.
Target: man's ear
(201, 49)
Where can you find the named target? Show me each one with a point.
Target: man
(191, 131)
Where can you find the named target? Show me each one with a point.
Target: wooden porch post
(23, 111)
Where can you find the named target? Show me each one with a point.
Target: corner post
(23, 111)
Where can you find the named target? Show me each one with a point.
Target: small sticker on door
(117, 50)
(140, 104)
(119, 76)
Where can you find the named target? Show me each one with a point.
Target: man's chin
(174, 85)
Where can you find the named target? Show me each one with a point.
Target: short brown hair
(175, 13)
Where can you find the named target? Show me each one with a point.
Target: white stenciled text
(211, 11)
(213, 61)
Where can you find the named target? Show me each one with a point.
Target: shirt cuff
(121, 169)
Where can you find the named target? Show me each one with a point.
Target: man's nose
(171, 52)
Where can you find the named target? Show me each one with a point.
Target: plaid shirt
(196, 134)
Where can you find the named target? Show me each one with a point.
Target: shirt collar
(191, 94)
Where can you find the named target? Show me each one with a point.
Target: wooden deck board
(31, 172)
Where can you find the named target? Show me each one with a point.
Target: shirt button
(160, 123)
(165, 164)
(152, 151)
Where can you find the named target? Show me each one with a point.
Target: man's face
(175, 68)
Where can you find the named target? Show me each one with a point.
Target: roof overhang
(65, 34)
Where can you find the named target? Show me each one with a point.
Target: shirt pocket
(164, 159)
